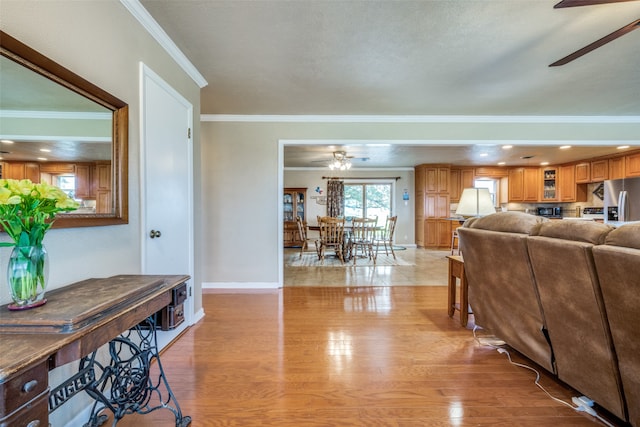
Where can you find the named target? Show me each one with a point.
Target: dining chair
(362, 235)
(385, 238)
(331, 236)
(302, 229)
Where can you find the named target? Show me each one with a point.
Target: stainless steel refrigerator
(622, 200)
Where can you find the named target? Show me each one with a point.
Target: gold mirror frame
(35, 61)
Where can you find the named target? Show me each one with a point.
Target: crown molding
(151, 25)
(82, 138)
(415, 119)
(58, 115)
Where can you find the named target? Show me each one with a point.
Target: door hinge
(189, 133)
(190, 294)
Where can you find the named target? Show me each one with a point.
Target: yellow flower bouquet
(27, 211)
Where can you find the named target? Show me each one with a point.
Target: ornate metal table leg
(126, 385)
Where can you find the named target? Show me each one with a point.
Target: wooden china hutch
(294, 204)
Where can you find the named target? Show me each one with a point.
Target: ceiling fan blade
(575, 3)
(606, 39)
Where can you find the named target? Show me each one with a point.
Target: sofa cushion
(578, 231)
(627, 235)
(508, 222)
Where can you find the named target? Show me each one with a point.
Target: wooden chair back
(331, 231)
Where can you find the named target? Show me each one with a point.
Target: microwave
(550, 212)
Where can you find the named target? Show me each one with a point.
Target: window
(491, 184)
(368, 200)
(66, 183)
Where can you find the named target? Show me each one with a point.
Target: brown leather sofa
(564, 269)
(618, 266)
(566, 294)
(502, 290)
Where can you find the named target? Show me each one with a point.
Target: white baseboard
(240, 286)
(198, 316)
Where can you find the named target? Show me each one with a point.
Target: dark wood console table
(75, 322)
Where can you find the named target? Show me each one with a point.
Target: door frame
(148, 73)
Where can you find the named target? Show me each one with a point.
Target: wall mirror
(57, 127)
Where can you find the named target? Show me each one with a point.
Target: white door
(167, 184)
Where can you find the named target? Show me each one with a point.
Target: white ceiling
(397, 58)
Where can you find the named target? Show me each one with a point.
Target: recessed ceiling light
(544, 163)
(484, 154)
(506, 147)
(6, 141)
(564, 147)
(502, 163)
(42, 158)
(622, 147)
(45, 150)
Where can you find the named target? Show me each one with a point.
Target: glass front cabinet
(294, 203)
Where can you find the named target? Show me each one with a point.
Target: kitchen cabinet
(437, 179)
(455, 185)
(599, 170)
(293, 204)
(102, 181)
(58, 168)
(432, 203)
(583, 173)
(438, 233)
(84, 176)
(523, 184)
(491, 172)
(632, 165)
(570, 191)
(550, 184)
(616, 168)
(21, 170)
(419, 185)
(459, 180)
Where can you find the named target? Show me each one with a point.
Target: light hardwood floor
(330, 355)
(427, 268)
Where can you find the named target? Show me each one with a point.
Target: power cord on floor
(583, 403)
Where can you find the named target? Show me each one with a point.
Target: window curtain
(335, 198)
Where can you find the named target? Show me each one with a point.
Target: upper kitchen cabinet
(599, 170)
(583, 173)
(437, 179)
(549, 184)
(459, 180)
(616, 168)
(523, 184)
(632, 164)
(569, 190)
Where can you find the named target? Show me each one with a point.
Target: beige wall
(241, 188)
(102, 42)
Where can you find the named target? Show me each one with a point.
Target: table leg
(126, 385)
(464, 300)
(452, 290)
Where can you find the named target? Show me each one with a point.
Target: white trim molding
(240, 286)
(151, 25)
(415, 119)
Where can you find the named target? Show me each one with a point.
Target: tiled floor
(430, 268)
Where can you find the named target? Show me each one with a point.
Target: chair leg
(392, 252)
(302, 248)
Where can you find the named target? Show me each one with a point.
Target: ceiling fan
(341, 161)
(598, 43)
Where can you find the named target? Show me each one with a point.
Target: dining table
(348, 232)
